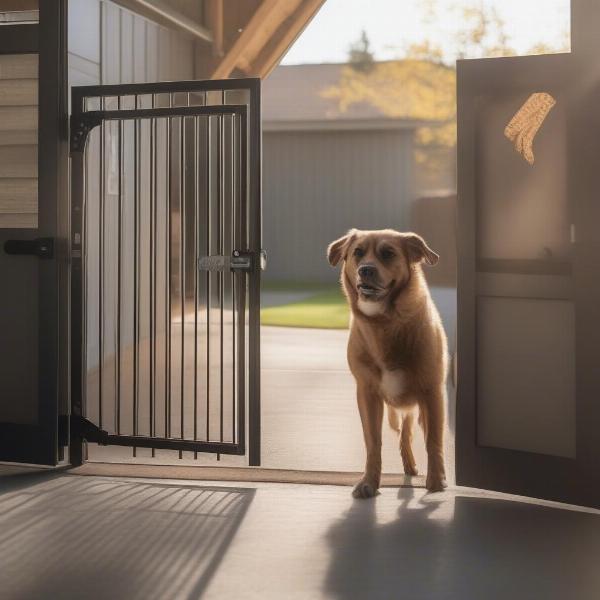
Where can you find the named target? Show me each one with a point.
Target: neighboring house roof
(294, 98)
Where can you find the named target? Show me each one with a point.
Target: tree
(360, 55)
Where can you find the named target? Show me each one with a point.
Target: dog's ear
(337, 250)
(418, 250)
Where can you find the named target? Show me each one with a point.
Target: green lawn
(326, 309)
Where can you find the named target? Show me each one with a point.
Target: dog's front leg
(370, 406)
(432, 417)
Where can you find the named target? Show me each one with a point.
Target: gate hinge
(84, 429)
(81, 125)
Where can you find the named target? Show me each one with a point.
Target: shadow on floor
(76, 537)
(464, 548)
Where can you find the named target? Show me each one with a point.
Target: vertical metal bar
(152, 266)
(78, 285)
(136, 256)
(233, 276)
(101, 273)
(222, 217)
(196, 245)
(119, 272)
(255, 217)
(168, 286)
(243, 227)
(208, 249)
(182, 248)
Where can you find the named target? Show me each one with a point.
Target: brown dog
(397, 347)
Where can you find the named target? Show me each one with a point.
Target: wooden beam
(267, 33)
(246, 37)
(269, 58)
(162, 12)
(215, 8)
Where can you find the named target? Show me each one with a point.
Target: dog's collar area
(371, 308)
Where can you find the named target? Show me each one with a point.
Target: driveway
(309, 415)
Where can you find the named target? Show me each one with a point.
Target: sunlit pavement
(68, 536)
(309, 414)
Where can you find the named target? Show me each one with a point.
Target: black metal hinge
(40, 247)
(81, 125)
(86, 430)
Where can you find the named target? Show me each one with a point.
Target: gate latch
(240, 260)
(40, 247)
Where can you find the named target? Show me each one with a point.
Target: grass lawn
(326, 309)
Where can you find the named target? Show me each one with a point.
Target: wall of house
(109, 44)
(18, 140)
(317, 185)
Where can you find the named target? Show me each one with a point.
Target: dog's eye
(359, 252)
(387, 254)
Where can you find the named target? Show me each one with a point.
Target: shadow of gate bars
(165, 267)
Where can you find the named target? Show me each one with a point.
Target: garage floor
(66, 536)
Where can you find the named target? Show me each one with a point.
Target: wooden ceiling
(249, 37)
(234, 37)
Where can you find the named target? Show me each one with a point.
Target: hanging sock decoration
(524, 126)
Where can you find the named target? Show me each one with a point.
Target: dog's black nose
(367, 271)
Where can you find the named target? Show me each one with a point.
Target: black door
(34, 154)
(166, 261)
(527, 410)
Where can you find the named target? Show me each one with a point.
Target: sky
(392, 25)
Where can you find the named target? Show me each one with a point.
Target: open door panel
(522, 413)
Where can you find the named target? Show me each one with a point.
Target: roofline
(342, 125)
(377, 62)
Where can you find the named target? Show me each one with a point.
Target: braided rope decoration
(523, 127)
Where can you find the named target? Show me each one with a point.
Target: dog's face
(378, 263)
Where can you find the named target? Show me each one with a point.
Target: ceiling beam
(270, 31)
(246, 37)
(215, 18)
(161, 11)
(272, 53)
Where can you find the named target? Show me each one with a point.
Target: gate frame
(82, 122)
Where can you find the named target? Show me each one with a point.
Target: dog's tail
(393, 418)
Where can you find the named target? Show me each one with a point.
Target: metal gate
(166, 259)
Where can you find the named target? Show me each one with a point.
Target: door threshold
(239, 474)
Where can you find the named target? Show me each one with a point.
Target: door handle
(40, 247)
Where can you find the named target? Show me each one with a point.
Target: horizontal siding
(19, 92)
(18, 141)
(318, 185)
(18, 118)
(19, 66)
(18, 195)
(18, 161)
(19, 138)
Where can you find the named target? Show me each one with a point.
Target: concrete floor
(66, 536)
(309, 416)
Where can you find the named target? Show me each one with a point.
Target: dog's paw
(436, 482)
(364, 489)
(410, 469)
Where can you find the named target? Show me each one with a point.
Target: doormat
(239, 474)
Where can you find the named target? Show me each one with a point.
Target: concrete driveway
(309, 416)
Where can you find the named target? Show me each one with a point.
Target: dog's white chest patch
(370, 309)
(393, 383)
